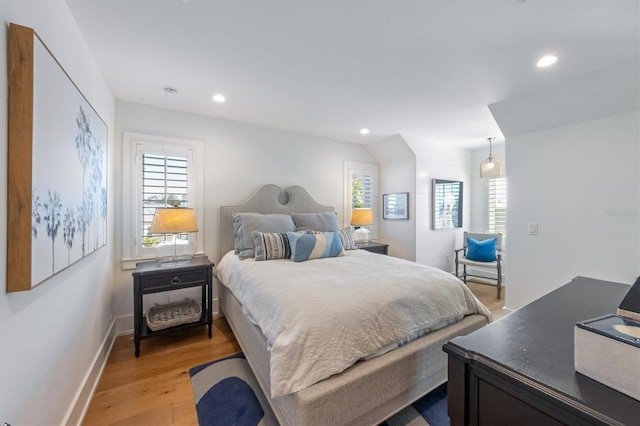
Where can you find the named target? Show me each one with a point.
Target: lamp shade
(361, 217)
(491, 168)
(174, 220)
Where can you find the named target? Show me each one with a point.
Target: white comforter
(321, 316)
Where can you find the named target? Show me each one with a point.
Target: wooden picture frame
(57, 164)
(395, 206)
(446, 204)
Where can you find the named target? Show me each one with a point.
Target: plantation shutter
(498, 205)
(164, 184)
(362, 190)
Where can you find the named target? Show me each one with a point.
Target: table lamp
(174, 220)
(361, 218)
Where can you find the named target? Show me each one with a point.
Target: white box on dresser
(607, 349)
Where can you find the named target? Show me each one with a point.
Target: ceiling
(424, 69)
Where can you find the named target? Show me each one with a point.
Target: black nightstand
(154, 277)
(374, 247)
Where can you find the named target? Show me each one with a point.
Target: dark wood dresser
(519, 370)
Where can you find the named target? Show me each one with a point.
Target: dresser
(519, 370)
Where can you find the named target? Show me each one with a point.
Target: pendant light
(491, 167)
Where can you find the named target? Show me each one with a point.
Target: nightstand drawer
(374, 247)
(381, 249)
(174, 280)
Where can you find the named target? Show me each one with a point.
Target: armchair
(480, 253)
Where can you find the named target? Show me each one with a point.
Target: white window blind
(164, 184)
(498, 205)
(362, 190)
(158, 172)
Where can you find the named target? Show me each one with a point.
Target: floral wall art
(57, 167)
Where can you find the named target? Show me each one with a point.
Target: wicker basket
(160, 317)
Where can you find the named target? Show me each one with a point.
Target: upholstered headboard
(269, 199)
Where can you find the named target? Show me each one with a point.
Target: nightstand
(374, 247)
(154, 277)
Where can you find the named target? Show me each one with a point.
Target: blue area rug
(227, 393)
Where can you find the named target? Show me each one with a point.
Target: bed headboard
(269, 199)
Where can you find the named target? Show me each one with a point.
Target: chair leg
(464, 273)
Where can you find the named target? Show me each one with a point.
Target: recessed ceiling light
(545, 61)
(168, 90)
(219, 98)
(364, 131)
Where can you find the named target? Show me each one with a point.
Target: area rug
(227, 393)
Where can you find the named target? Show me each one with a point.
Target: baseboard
(80, 404)
(124, 325)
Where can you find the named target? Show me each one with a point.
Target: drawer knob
(175, 280)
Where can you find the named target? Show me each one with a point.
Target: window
(164, 184)
(498, 206)
(159, 172)
(361, 190)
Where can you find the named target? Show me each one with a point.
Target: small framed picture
(395, 206)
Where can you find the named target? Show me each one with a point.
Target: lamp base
(361, 235)
(173, 252)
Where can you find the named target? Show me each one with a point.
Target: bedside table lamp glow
(361, 218)
(174, 220)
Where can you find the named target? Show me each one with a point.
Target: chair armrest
(459, 250)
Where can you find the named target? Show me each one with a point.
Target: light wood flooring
(155, 388)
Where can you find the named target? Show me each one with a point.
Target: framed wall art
(446, 204)
(395, 206)
(57, 192)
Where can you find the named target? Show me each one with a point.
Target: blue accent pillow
(481, 251)
(310, 246)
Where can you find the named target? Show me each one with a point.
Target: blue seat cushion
(481, 251)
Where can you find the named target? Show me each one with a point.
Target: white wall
(239, 159)
(50, 336)
(579, 183)
(436, 160)
(572, 168)
(396, 173)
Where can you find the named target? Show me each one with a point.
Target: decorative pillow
(346, 237)
(336, 245)
(271, 246)
(245, 223)
(325, 222)
(481, 251)
(310, 246)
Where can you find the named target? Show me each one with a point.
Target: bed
(366, 392)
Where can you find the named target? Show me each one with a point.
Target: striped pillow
(310, 246)
(271, 246)
(346, 237)
(336, 245)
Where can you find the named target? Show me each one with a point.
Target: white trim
(80, 403)
(133, 145)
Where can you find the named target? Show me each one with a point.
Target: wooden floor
(155, 388)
